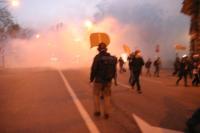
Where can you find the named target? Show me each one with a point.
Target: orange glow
(54, 59)
(70, 46)
(37, 36)
(97, 38)
(124, 57)
(88, 24)
(15, 3)
(77, 39)
(127, 49)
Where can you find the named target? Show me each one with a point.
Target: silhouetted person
(148, 67)
(130, 60)
(137, 63)
(103, 70)
(157, 65)
(190, 67)
(183, 71)
(121, 65)
(196, 71)
(176, 66)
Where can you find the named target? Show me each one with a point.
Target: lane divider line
(124, 85)
(147, 128)
(88, 121)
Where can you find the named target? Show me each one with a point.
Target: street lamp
(15, 3)
(88, 24)
(37, 36)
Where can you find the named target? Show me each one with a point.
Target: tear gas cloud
(140, 24)
(66, 47)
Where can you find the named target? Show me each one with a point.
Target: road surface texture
(60, 101)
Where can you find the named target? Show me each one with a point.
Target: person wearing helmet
(183, 71)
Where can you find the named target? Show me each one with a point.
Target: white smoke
(140, 24)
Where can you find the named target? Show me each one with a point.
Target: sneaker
(106, 116)
(97, 114)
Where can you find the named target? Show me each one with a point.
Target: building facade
(192, 9)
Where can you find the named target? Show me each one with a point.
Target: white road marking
(124, 85)
(90, 124)
(152, 80)
(147, 128)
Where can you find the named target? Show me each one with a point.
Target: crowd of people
(104, 70)
(187, 66)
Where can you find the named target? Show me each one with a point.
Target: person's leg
(96, 93)
(185, 80)
(158, 72)
(130, 78)
(147, 73)
(106, 106)
(197, 80)
(107, 97)
(137, 80)
(133, 80)
(194, 81)
(180, 77)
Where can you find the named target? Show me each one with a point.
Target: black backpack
(107, 67)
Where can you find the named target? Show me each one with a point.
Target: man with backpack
(103, 70)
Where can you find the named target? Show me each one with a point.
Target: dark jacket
(137, 64)
(183, 68)
(96, 73)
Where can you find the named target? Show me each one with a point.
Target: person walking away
(130, 60)
(148, 67)
(137, 64)
(190, 67)
(176, 66)
(121, 65)
(157, 64)
(183, 71)
(195, 72)
(103, 71)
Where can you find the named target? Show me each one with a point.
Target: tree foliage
(7, 25)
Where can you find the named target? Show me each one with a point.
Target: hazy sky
(139, 23)
(44, 12)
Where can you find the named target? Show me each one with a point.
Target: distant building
(192, 9)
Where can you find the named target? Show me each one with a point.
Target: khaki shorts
(100, 89)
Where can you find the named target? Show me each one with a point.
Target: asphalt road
(41, 101)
